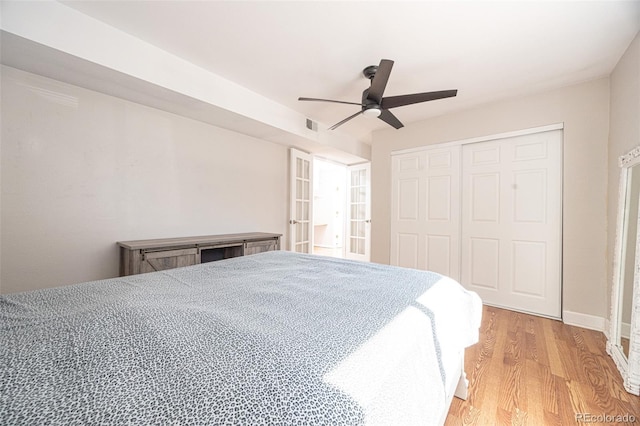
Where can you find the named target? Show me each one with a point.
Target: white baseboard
(591, 322)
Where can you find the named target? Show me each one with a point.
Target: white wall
(82, 170)
(624, 133)
(51, 39)
(584, 110)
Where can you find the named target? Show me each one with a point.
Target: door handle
(293, 221)
(367, 221)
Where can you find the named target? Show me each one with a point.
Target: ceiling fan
(374, 105)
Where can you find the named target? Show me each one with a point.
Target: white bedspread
(272, 338)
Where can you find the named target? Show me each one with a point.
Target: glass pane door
(301, 209)
(359, 213)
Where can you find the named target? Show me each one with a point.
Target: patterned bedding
(272, 338)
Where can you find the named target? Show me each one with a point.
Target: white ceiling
(283, 50)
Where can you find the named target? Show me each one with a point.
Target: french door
(359, 212)
(301, 202)
(358, 208)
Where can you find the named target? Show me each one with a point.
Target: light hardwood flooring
(325, 251)
(528, 370)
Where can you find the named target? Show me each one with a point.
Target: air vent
(312, 125)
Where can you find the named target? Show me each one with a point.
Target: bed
(271, 338)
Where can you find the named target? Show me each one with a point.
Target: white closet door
(407, 209)
(511, 222)
(359, 213)
(442, 211)
(425, 223)
(301, 202)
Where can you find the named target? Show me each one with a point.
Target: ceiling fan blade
(390, 119)
(345, 120)
(329, 100)
(402, 100)
(379, 81)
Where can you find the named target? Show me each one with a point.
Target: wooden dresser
(140, 256)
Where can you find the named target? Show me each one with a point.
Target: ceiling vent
(312, 125)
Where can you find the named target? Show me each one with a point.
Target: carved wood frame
(629, 367)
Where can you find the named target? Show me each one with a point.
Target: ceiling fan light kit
(372, 111)
(374, 105)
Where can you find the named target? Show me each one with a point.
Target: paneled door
(511, 222)
(425, 222)
(359, 212)
(301, 202)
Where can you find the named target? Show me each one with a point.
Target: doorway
(329, 203)
(330, 207)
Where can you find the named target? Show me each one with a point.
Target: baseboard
(625, 329)
(591, 322)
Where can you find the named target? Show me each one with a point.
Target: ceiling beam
(53, 40)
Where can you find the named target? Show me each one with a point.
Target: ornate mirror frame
(629, 367)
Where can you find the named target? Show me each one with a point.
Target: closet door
(511, 222)
(425, 223)
(407, 209)
(442, 211)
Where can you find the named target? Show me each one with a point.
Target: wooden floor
(324, 251)
(528, 370)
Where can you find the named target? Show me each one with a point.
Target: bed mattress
(271, 338)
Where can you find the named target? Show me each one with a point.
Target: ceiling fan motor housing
(369, 107)
(365, 99)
